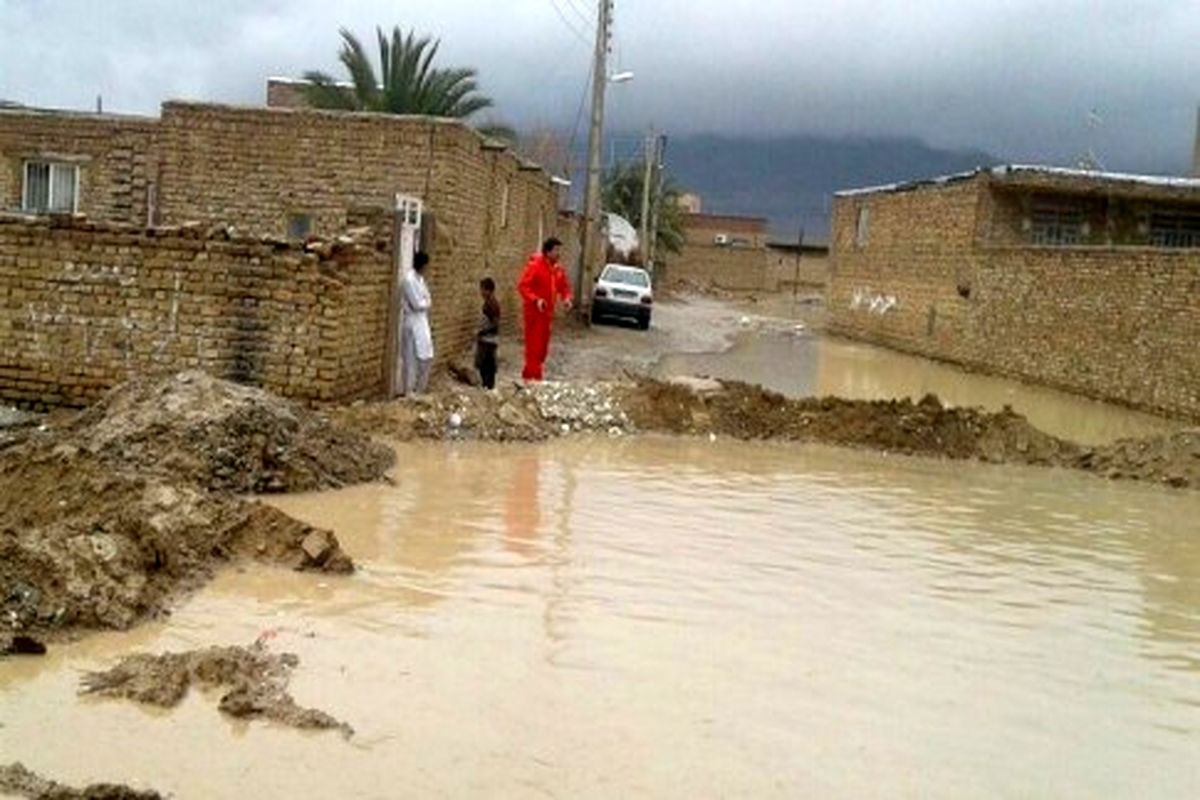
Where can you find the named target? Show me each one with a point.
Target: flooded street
(808, 365)
(674, 618)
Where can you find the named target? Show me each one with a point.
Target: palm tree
(621, 193)
(409, 83)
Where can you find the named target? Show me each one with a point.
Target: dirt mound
(111, 513)
(1173, 459)
(256, 683)
(513, 413)
(18, 781)
(85, 546)
(899, 426)
(224, 436)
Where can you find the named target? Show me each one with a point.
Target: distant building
(690, 203)
(721, 251)
(792, 266)
(1085, 281)
(286, 93)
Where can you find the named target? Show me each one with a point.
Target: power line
(579, 115)
(570, 26)
(588, 17)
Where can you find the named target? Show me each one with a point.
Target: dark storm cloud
(1016, 77)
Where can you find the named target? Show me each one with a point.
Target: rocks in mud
(16, 780)
(255, 681)
(576, 408)
(1173, 459)
(224, 436)
(533, 412)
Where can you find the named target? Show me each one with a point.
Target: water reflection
(667, 617)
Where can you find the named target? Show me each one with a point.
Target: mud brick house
(136, 243)
(1085, 281)
(728, 252)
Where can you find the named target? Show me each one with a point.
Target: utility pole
(590, 233)
(650, 153)
(660, 154)
(796, 274)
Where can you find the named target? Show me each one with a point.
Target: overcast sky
(1014, 77)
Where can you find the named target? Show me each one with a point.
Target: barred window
(50, 187)
(1175, 229)
(1057, 225)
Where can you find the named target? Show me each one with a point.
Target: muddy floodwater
(807, 365)
(669, 618)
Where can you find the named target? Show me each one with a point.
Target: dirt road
(681, 324)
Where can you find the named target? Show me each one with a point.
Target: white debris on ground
(16, 424)
(577, 408)
(16, 418)
(514, 412)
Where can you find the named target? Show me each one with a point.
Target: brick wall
(286, 93)
(733, 268)
(84, 305)
(114, 153)
(255, 167)
(918, 250)
(782, 272)
(1122, 324)
(940, 275)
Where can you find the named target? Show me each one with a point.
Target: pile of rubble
(223, 436)
(522, 413)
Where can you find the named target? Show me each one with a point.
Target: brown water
(807, 365)
(665, 618)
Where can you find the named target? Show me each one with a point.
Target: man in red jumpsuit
(542, 284)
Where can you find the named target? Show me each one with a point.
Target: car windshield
(631, 277)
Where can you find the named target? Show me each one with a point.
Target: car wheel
(644, 322)
(595, 316)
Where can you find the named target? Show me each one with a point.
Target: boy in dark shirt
(487, 340)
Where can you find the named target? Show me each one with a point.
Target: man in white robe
(416, 338)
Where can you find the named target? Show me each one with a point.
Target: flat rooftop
(1076, 181)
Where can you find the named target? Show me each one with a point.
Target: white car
(623, 292)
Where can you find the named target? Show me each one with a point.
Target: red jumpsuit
(543, 280)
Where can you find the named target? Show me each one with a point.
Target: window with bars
(1175, 229)
(50, 187)
(1057, 225)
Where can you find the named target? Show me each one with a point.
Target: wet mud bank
(255, 683)
(706, 407)
(16, 780)
(112, 514)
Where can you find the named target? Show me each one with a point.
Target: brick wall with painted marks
(949, 271)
